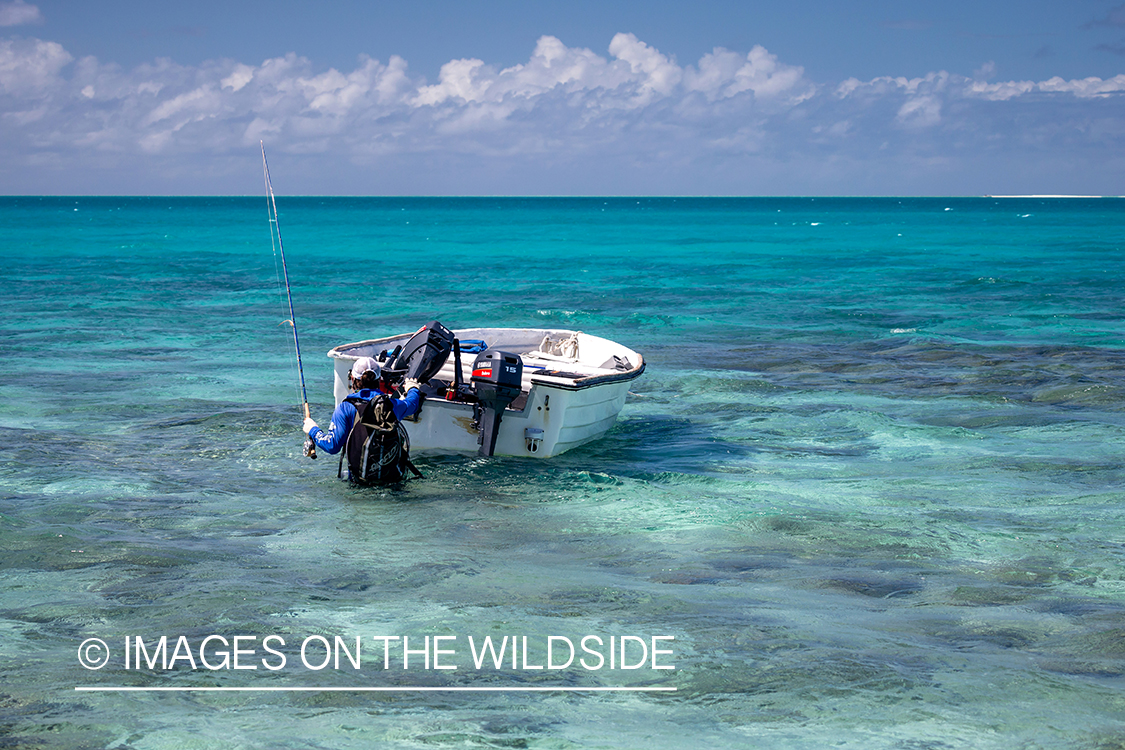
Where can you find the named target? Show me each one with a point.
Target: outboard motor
(424, 354)
(496, 379)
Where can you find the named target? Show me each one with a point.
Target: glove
(309, 425)
(408, 384)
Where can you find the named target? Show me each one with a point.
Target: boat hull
(565, 406)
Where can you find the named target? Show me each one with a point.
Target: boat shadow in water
(635, 448)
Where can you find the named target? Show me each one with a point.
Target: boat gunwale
(535, 379)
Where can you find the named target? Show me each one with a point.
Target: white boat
(571, 388)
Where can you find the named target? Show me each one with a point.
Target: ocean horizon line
(1030, 196)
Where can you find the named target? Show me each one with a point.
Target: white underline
(407, 689)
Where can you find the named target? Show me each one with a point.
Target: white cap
(365, 364)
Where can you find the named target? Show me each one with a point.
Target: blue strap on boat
(473, 346)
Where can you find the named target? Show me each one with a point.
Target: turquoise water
(871, 481)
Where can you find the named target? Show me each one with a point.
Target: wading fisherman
(364, 381)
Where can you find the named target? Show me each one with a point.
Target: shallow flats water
(868, 493)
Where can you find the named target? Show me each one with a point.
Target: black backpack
(377, 448)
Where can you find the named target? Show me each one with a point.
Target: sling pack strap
(360, 407)
(344, 450)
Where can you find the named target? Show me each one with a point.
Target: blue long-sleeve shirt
(344, 416)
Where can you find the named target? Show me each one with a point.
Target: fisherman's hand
(309, 425)
(408, 384)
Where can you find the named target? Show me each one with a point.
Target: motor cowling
(424, 354)
(497, 381)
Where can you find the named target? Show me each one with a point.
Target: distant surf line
(369, 689)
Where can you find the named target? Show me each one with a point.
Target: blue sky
(591, 98)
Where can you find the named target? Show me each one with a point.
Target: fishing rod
(275, 231)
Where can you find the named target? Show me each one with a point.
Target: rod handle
(310, 446)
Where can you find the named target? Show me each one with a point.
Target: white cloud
(655, 75)
(193, 105)
(634, 107)
(960, 86)
(239, 77)
(18, 13)
(920, 112)
(999, 92)
(1085, 88)
(339, 95)
(723, 74)
(467, 80)
(30, 68)
(553, 66)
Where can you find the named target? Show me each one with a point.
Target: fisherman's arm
(333, 440)
(408, 405)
